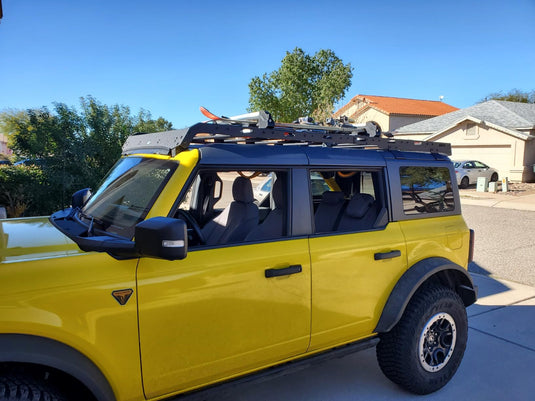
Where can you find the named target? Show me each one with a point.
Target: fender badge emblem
(122, 296)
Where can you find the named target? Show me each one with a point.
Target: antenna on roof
(441, 97)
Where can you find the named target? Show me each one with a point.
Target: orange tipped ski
(211, 116)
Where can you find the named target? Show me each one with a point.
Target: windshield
(127, 194)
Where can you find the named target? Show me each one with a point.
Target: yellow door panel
(350, 287)
(215, 314)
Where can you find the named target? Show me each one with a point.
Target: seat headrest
(242, 190)
(332, 198)
(359, 204)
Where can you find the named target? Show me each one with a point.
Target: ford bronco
(176, 274)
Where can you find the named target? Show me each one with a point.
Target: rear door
(357, 263)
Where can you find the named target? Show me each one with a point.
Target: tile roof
(512, 115)
(397, 105)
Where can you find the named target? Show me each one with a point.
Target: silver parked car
(467, 172)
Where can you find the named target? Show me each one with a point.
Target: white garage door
(498, 157)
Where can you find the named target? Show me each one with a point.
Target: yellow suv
(232, 246)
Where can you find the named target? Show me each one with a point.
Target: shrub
(22, 188)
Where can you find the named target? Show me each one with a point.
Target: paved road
(505, 240)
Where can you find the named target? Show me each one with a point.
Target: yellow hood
(33, 238)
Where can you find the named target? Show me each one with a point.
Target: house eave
(512, 132)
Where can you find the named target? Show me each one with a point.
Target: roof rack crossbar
(172, 142)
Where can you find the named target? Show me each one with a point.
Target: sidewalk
(497, 365)
(501, 200)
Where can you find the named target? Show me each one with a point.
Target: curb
(526, 202)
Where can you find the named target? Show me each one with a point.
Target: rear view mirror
(162, 237)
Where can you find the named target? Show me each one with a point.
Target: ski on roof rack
(259, 127)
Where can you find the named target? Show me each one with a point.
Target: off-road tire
(22, 388)
(423, 351)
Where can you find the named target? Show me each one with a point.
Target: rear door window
(426, 190)
(347, 200)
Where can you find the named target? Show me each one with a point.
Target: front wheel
(423, 351)
(494, 177)
(22, 388)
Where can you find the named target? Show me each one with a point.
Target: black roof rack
(260, 128)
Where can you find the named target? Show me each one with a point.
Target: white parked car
(467, 172)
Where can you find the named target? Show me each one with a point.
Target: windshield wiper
(92, 220)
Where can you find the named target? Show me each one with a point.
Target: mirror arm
(118, 248)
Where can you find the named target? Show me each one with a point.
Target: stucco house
(3, 145)
(391, 112)
(498, 133)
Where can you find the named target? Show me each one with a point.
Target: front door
(224, 309)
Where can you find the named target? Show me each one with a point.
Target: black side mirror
(162, 237)
(79, 198)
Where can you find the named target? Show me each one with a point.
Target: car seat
(328, 211)
(360, 213)
(237, 219)
(274, 224)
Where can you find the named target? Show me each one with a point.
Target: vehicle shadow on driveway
(473, 267)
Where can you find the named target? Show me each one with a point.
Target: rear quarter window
(426, 190)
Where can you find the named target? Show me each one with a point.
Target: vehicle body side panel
(69, 300)
(446, 237)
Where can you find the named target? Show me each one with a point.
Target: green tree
(514, 95)
(71, 149)
(304, 85)
(145, 123)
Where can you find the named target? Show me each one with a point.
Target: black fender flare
(449, 273)
(44, 351)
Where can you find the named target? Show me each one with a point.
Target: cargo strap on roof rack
(259, 128)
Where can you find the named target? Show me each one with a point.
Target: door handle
(283, 272)
(387, 255)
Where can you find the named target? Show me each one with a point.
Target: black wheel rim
(437, 342)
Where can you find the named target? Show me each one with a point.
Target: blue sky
(170, 57)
